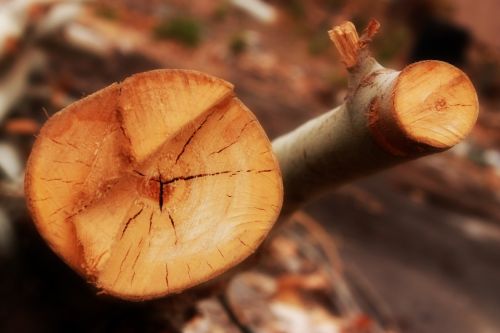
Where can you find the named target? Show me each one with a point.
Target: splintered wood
(154, 185)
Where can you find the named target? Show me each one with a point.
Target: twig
(232, 315)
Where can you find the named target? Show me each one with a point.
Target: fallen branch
(166, 180)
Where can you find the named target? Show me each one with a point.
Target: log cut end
(435, 104)
(154, 185)
(429, 106)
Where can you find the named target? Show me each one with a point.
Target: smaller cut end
(435, 104)
(431, 107)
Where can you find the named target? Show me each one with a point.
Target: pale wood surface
(155, 184)
(435, 103)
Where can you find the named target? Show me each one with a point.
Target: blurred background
(423, 239)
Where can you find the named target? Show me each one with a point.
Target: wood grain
(154, 185)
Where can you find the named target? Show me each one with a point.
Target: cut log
(389, 117)
(154, 185)
(165, 181)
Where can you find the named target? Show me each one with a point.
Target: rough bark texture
(154, 185)
(389, 117)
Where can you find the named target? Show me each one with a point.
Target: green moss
(106, 12)
(335, 4)
(360, 21)
(391, 43)
(476, 155)
(296, 8)
(238, 44)
(221, 12)
(319, 43)
(182, 29)
(336, 79)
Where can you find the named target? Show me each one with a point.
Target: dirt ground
(432, 262)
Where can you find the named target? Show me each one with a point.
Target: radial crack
(235, 141)
(192, 136)
(130, 220)
(139, 173)
(173, 180)
(232, 173)
(135, 261)
(160, 199)
(220, 252)
(166, 275)
(243, 243)
(121, 265)
(150, 222)
(173, 226)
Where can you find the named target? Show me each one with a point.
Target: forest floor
(424, 237)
